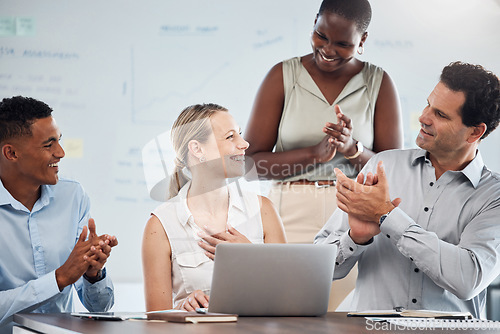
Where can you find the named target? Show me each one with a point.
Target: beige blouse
(306, 111)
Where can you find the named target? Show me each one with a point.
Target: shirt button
(414, 301)
(431, 184)
(411, 259)
(351, 249)
(388, 236)
(426, 209)
(416, 270)
(336, 263)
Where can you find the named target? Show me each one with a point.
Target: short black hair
(482, 93)
(358, 11)
(18, 113)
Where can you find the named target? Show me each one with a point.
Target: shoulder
(394, 157)
(265, 202)
(276, 72)
(374, 74)
(295, 61)
(64, 182)
(266, 205)
(169, 207)
(274, 231)
(67, 187)
(155, 237)
(399, 153)
(288, 66)
(293, 66)
(154, 225)
(370, 69)
(491, 181)
(494, 175)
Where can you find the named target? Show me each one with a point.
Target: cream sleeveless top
(191, 268)
(306, 111)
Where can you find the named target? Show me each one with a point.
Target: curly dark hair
(18, 113)
(358, 11)
(482, 93)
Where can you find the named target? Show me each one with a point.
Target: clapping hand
(364, 202)
(340, 134)
(100, 250)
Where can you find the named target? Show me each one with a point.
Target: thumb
(338, 111)
(339, 114)
(83, 235)
(92, 229)
(338, 173)
(343, 180)
(396, 202)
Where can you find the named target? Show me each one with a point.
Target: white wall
(117, 73)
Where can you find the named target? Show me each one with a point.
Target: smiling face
(226, 145)
(37, 156)
(335, 41)
(442, 132)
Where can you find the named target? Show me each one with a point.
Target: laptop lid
(272, 279)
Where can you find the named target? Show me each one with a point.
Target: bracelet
(359, 150)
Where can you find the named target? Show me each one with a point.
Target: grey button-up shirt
(439, 250)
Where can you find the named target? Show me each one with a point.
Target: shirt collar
(236, 196)
(6, 198)
(419, 155)
(183, 213)
(472, 171)
(47, 194)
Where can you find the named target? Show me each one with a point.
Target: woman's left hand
(341, 133)
(213, 239)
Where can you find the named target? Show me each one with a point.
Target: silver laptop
(272, 279)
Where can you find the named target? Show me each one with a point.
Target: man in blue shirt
(424, 226)
(44, 222)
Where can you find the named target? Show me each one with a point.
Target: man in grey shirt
(424, 224)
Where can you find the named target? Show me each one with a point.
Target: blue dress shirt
(439, 250)
(34, 244)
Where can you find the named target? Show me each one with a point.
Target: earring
(202, 158)
(361, 49)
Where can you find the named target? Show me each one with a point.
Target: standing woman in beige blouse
(323, 110)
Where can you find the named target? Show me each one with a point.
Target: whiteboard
(117, 73)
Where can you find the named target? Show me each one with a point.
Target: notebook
(192, 317)
(272, 279)
(412, 314)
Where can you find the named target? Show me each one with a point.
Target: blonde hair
(192, 124)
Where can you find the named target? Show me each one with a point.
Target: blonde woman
(203, 210)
